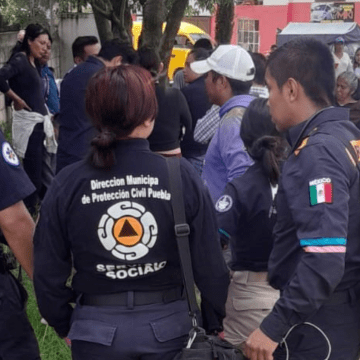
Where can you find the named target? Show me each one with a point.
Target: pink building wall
(271, 18)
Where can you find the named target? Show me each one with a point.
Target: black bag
(208, 347)
(199, 346)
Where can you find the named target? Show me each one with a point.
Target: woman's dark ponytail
(103, 145)
(261, 139)
(269, 151)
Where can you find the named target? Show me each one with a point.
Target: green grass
(6, 129)
(51, 346)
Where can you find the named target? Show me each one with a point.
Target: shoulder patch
(224, 203)
(321, 191)
(356, 145)
(9, 154)
(302, 145)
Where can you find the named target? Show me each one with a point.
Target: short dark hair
(260, 66)
(309, 62)
(78, 46)
(199, 54)
(118, 99)
(150, 60)
(238, 87)
(115, 47)
(261, 139)
(203, 43)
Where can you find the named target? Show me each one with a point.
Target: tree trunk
(224, 22)
(173, 22)
(110, 19)
(118, 14)
(103, 26)
(153, 18)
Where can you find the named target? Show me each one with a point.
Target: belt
(133, 298)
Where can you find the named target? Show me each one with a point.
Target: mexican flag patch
(321, 191)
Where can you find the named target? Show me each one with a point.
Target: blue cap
(340, 40)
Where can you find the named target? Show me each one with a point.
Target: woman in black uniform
(111, 218)
(246, 216)
(20, 80)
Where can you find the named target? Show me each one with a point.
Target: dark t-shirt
(24, 79)
(173, 114)
(198, 102)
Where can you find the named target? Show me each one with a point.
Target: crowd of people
(269, 162)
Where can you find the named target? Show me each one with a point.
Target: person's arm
(19, 103)
(232, 149)
(206, 126)
(53, 262)
(18, 228)
(210, 272)
(9, 70)
(350, 66)
(185, 115)
(321, 230)
(228, 211)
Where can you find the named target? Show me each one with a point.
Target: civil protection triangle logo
(127, 230)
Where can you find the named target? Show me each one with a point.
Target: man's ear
(116, 61)
(222, 82)
(148, 123)
(78, 60)
(292, 89)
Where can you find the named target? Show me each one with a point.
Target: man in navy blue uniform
(315, 261)
(17, 338)
(76, 130)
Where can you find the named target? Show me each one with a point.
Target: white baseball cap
(231, 61)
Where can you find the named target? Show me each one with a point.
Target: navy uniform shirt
(199, 104)
(246, 216)
(76, 129)
(118, 228)
(317, 235)
(14, 183)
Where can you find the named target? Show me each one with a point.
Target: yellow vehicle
(186, 37)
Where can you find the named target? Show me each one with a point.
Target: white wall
(71, 26)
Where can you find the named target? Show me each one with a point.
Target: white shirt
(343, 64)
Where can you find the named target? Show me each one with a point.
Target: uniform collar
(300, 131)
(133, 144)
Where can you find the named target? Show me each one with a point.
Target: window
(248, 34)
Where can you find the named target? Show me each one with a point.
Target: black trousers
(337, 325)
(17, 338)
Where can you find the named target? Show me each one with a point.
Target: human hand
(259, 346)
(20, 104)
(68, 341)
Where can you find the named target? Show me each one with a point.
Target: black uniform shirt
(118, 227)
(25, 81)
(246, 216)
(317, 234)
(14, 183)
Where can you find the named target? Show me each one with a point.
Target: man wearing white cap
(229, 74)
(342, 59)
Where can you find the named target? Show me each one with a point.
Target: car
(186, 37)
(321, 12)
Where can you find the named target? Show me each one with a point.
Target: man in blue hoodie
(229, 75)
